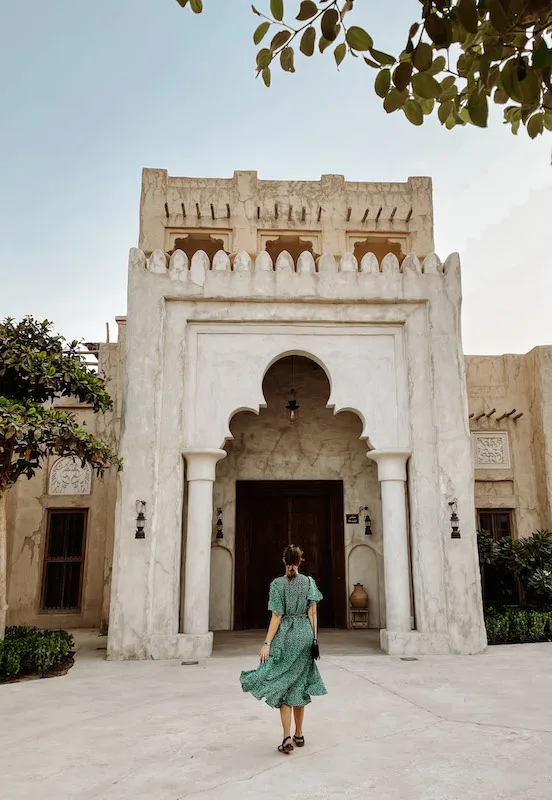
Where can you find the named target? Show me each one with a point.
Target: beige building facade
(245, 295)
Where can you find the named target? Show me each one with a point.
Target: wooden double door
(273, 514)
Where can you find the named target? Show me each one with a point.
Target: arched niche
(221, 589)
(363, 568)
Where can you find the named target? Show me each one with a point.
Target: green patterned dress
(290, 676)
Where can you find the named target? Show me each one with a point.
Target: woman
(287, 675)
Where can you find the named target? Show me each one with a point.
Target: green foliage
(28, 651)
(526, 561)
(514, 625)
(485, 50)
(36, 367)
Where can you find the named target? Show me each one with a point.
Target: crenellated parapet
(345, 278)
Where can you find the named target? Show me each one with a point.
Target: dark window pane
(72, 585)
(75, 539)
(503, 525)
(53, 594)
(486, 523)
(56, 548)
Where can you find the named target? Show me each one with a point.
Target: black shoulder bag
(315, 650)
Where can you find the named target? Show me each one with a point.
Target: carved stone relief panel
(67, 476)
(491, 450)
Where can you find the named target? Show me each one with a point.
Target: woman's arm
(313, 619)
(271, 633)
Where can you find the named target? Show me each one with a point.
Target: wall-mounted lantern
(292, 406)
(367, 520)
(140, 519)
(219, 526)
(454, 521)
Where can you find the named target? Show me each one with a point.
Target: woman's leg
(298, 713)
(285, 716)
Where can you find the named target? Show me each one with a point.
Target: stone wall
(28, 505)
(243, 212)
(510, 402)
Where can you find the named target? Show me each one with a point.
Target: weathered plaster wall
(523, 383)
(28, 504)
(242, 207)
(319, 446)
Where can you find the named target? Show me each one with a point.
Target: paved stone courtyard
(439, 728)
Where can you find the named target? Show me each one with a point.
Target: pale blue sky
(93, 92)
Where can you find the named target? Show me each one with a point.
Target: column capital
(202, 462)
(391, 463)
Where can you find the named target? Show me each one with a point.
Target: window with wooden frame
(497, 522)
(497, 587)
(64, 560)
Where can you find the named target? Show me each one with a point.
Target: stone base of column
(186, 646)
(414, 643)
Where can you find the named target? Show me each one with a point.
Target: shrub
(514, 625)
(27, 651)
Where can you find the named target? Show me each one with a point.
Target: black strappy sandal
(299, 741)
(286, 748)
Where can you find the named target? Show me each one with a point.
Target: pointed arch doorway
(273, 514)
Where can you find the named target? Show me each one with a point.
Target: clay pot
(359, 598)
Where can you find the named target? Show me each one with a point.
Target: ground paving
(439, 728)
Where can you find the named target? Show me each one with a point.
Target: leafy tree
(36, 368)
(458, 56)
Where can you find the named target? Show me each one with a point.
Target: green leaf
(277, 9)
(530, 87)
(328, 24)
(286, 59)
(279, 40)
(307, 10)
(182, 3)
(340, 52)
(264, 57)
(445, 110)
(498, 17)
(383, 82)
(439, 30)
(535, 125)
(427, 106)
(413, 112)
(548, 120)
(371, 63)
(261, 32)
(382, 58)
(196, 6)
(425, 85)
(308, 41)
(422, 56)
(467, 13)
(266, 76)
(359, 39)
(395, 100)
(438, 65)
(478, 108)
(500, 96)
(402, 75)
(323, 44)
(542, 56)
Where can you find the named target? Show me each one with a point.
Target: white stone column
(396, 564)
(201, 465)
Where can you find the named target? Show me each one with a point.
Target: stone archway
(315, 466)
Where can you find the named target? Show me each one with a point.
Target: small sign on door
(352, 519)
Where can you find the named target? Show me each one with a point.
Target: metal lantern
(454, 520)
(220, 532)
(140, 519)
